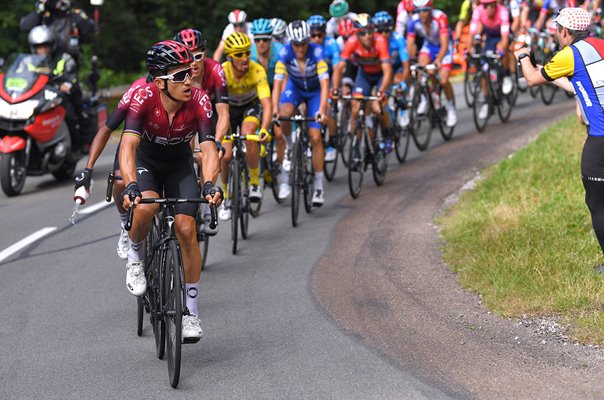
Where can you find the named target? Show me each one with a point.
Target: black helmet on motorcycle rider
(41, 35)
(58, 5)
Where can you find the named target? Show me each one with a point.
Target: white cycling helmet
(298, 32)
(279, 27)
(422, 3)
(237, 17)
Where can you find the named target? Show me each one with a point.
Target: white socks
(319, 180)
(136, 251)
(192, 289)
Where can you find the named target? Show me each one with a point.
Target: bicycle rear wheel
(356, 165)
(379, 159)
(254, 207)
(445, 131)
(234, 190)
(506, 103)
(344, 134)
(173, 302)
(155, 287)
(309, 180)
(202, 238)
(548, 92)
(468, 85)
(480, 100)
(244, 215)
(297, 180)
(330, 167)
(139, 315)
(421, 123)
(401, 138)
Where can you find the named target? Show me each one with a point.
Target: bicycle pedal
(190, 340)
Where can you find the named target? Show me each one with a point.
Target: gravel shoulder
(383, 281)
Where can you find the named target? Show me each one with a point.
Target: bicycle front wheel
(481, 102)
(173, 302)
(421, 123)
(344, 134)
(445, 131)
(297, 180)
(234, 191)
(155, 287)
(548, 92)
(244, 214)
(356, 164)
(401, 135)
(379, 159)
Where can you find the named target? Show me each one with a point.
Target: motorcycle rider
(63, 68)
(68, 25)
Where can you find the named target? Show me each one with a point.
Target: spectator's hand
(40, 6)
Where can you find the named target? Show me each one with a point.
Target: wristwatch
(523, 55)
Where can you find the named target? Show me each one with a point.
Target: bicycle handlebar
(173, 201)
(360, 98)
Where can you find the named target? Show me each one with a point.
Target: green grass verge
(523, 238)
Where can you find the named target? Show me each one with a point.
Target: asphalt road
(273, 327)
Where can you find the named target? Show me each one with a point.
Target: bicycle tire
(422, 123)
(173, 301)
(234, 190)
(548, 92)
(330, 167)
(505, 105)
(445, 131)
(296, 181)
(379, 160)
(254, 207)
(468, 86)
(272, 171)
(205, 243)
(245, 205)
(356, 169)
(344, 133)
(154, 288)
(139, 314)
(309, 180)
(480, 100)
(401, 139)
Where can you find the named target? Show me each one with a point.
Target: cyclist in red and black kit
(209, 76)
(155, 154)
(370, 49)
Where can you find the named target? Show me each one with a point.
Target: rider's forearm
(324, 95)
(127, 158)
(387, 79)
(98, 144)
(444, 47)
(210, 163)
(405, 74)
(276, 95)
(222, 126)
(267, 112)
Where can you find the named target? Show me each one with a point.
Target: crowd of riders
(264, 70)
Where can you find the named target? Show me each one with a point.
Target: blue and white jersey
(331, 50)
(315, 68)
(397, 47)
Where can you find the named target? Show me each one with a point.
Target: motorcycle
(34, 136)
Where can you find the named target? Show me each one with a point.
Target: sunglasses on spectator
(365, 32)
(241, 54)
(200, 55)
(179, 76)
(265, 40)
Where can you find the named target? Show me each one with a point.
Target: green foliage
(129, 27)
(524, 240)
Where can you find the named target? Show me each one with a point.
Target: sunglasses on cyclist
(365, 32)
(239, 25)
(317, 35)
(300, 44)
(262, 39)
(423, 9)
(199, 55)
(385, 30)
(179, 76)
(242, 54)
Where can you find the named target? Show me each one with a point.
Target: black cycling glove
(83, 179)
(132, 190)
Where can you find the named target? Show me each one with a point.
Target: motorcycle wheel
(65, 171)
(12, 172)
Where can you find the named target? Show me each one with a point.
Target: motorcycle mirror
(96, 2)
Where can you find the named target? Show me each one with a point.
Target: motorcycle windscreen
(26, 75)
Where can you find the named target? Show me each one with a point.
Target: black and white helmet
(298, 32)
(279, 27)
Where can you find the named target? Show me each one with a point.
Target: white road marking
(95, 207)
(23, 243)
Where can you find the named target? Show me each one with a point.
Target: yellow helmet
(237, 42)
(363, 21)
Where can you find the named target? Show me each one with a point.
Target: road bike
(366, 148)
(399, 105)
(165, 298)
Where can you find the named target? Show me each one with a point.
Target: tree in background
(130, 27)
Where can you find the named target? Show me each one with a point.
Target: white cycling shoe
(123, 245)
(135, 278)
(483, 113)
(191, 327)
(284, 191)
(508, 85)
(318, 198)
(451, 116)
(224, 212)
(330, 154)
